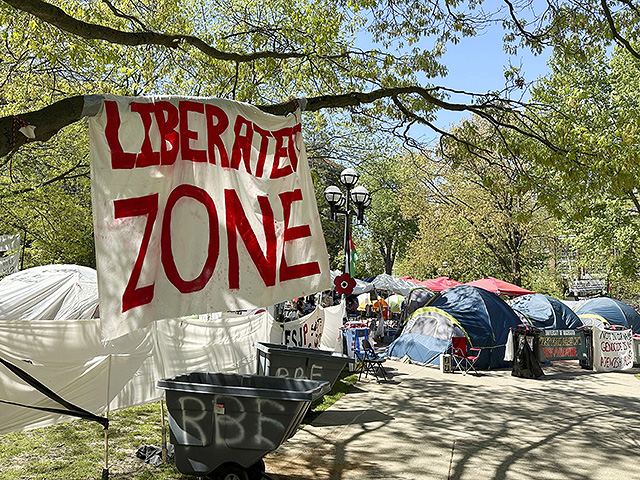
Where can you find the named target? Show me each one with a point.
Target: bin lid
(306, 352)
(242, 385)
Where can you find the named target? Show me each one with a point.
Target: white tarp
(393, 284)
(50, 292)
(331, 339)
(9, 243)
(200, 205)
(69, 357)
(612, 350)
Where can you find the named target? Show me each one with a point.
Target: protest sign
(562, 344)
(612, 350)
(305, 331)
(200, 205)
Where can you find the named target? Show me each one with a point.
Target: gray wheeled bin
(222, 424)
(298, 362)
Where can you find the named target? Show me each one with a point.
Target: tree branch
(614, 31)
(56, 16)
(51, 119)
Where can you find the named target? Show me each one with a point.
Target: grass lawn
(75, 450)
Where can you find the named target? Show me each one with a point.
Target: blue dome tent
(481, 316)
(610, 312)
(545, 312)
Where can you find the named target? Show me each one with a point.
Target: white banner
(305, 331)
(612, 350)
(200, 205)
(9, 243)
(10, 264)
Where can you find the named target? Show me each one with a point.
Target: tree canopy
(375, 59)
(361, 69)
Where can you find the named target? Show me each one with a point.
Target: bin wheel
(256, 470)
(232, 472)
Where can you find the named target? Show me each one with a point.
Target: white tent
(48, 328)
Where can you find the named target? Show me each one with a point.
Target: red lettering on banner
(176, 136)
(187, 135)
(237, 222)
(290, 272)
(264, 146)
(293, 154)
(119, 158)
(133, 295)
(168, 262)
(282, 151)
(214, 132)
(147, 156)
(169, 138)
(241, 150)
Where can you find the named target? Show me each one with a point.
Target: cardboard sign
(612, 350)
(563, 344)
(200, 205)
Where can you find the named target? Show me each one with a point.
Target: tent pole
(105, 470)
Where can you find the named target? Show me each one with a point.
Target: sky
(477, 65)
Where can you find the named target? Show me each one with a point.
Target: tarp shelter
(435, 284)
(479, 315)
(499, 287)
(610, 312)
(48, 329)
(392, 284)
(545, 312)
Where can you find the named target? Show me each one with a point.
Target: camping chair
(464, 358)
(371, 362)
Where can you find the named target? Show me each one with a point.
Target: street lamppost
(341, 205)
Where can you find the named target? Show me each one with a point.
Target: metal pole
(164, 433)
(347, 233)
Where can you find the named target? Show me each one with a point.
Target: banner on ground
(612, 350)
(200, 205)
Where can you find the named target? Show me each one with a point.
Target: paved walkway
(572, 424)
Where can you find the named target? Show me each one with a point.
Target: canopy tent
(545, 312)
(383, 281)
(499, 287)
(392, 284)
(608, 311)
(477, 314)
(47, 329)
(435, 284)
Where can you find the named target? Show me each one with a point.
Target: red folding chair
(463, 357)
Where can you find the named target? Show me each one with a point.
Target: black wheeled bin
(298, 362)
(222, 424)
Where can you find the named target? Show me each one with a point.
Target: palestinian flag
(353, 256)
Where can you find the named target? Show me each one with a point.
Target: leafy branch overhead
(267, 54)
